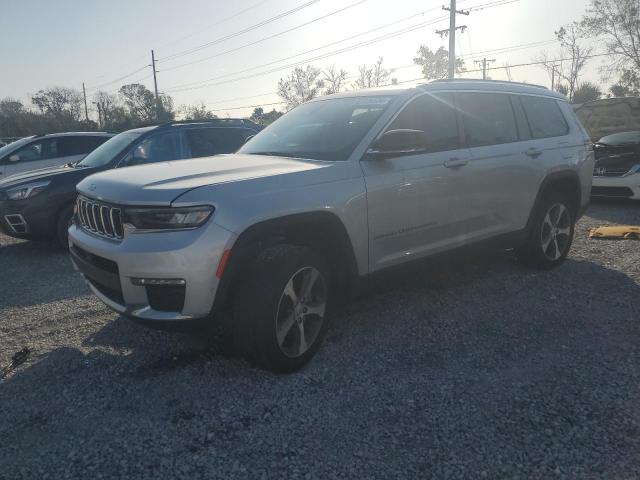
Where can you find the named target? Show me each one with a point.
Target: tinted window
(436, 117)
(80, 145)
(38, 150)
(544, 116)
(488, 119)
(158, 148)
(328, 129)
(521, 120)
(212, 141)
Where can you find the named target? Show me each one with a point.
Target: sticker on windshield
(372, 101)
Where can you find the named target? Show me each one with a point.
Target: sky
(208, 50)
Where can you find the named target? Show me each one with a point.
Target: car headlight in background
(28, 190)
(180, 218)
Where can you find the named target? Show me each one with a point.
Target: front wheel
(62, 226)
(280, 311)
(550, 235)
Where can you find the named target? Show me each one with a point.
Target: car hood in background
(35, 175)
(161, 183)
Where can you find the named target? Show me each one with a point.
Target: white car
(42, 151)
(617, 168)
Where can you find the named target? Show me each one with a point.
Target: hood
(34, 175)
(161, 183)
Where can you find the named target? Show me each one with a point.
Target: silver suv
(338, 188)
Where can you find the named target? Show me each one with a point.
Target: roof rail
(219, 121)
(443, 80)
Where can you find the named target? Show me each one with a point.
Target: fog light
(141, 282)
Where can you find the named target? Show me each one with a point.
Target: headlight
(28, 190)
(180, 218)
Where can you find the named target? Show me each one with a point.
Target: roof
(453, 85)
(79, 134)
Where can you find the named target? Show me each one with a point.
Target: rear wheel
(551, 234)
(62, 226)
(280, 310)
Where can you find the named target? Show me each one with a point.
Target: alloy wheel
(556, 231)
(301, 312)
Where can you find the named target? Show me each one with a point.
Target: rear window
(213, 141)
(544, 116)
(488, 119)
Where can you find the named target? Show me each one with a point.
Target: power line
(96, 87)
(226, 19)
(194, 85)
(335, 12)
(240, 32)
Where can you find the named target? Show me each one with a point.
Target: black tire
(533, 252)
(262, 308)
(62, 226)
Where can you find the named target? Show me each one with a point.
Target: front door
(414, 200)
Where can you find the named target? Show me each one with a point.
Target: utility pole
(451, 31)
(553, 77)
(484, 62)
(155, 85)
(86, 110)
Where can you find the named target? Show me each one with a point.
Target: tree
(627, 85)
(197, 112)
(264, 118)
(435, 65)
(303, 84)
(141, 104)
(63, 104)
(616, 24)
(586, 92)
(563, 89)
(112, 115)
(374, 76)
(570, 60)
(334, 79)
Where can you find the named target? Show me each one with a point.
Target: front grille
(100, 218)
(611, 192)
(166, 298)
(610, 171)
(96, 260)
(110, 293)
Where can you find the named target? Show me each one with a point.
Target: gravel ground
(472, 369)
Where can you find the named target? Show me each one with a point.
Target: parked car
(41, 151)
(617, 168)
(39, 204)
(338, 188)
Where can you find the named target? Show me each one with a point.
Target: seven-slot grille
(99, 218)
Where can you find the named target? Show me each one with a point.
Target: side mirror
(14, 158)
(397, 143)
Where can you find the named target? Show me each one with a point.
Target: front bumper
(28, 219)
(191, 255)
(627, 186)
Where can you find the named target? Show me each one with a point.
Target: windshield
(13, 145)
(106, 152)
(322, 130)
(621, 138)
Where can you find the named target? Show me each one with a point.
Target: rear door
(414, 200)
(500, 180)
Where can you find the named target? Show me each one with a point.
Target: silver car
(338, 188)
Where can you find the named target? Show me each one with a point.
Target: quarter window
(544, 116)
(488, 119)
(434, 115)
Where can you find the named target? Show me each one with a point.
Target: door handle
(533, 153)
(455, 162)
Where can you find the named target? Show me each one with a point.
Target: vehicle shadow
(36, 272)
(484, 348)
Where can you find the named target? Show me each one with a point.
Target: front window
(110, 149)
(321, 130)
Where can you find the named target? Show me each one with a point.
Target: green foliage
(301, 85)
(265, 118)
(435, 65)
(197, 112)
(586, 92)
